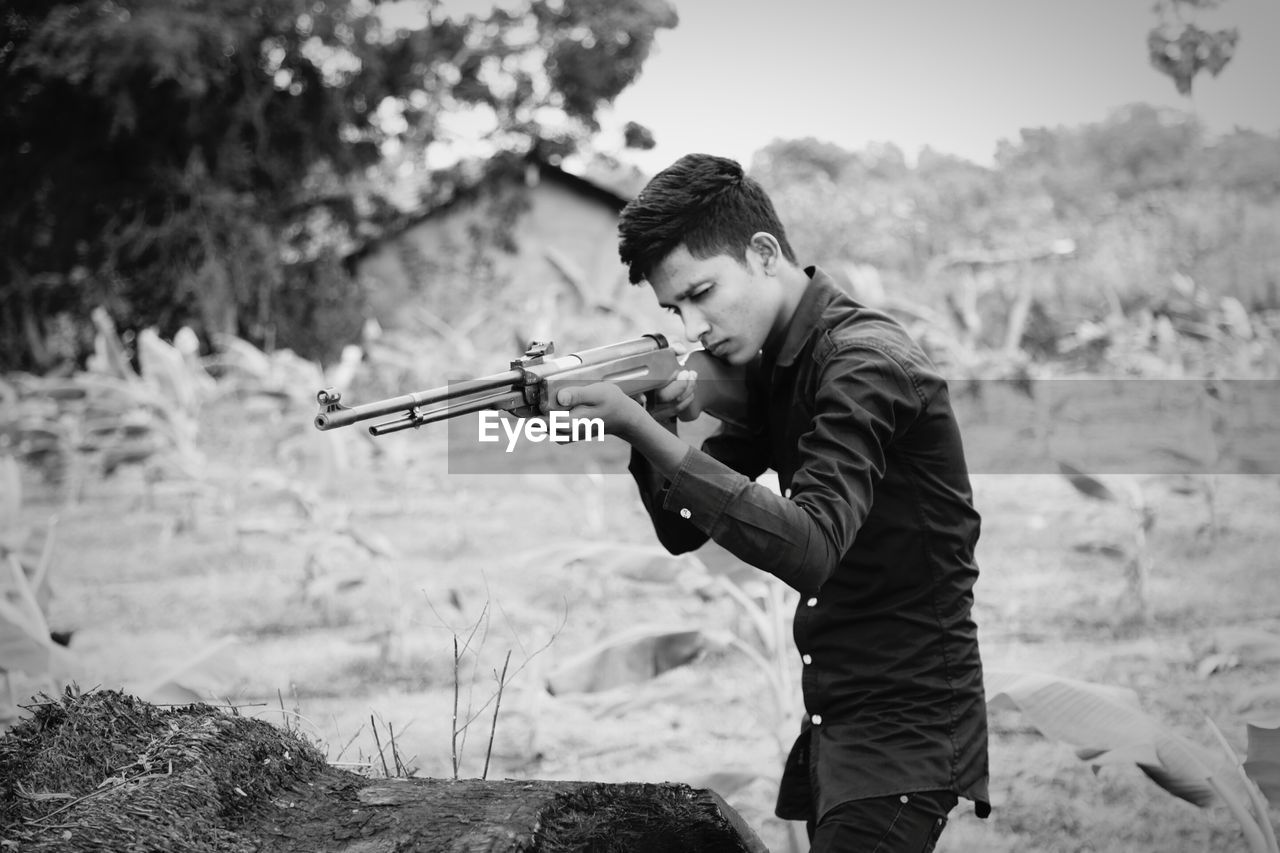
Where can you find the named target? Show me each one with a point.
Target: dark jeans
(910, 823)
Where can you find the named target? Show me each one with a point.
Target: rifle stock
(530, 386)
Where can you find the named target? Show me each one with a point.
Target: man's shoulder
(850, 326)
(861, 338)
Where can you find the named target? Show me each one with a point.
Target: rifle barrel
(345, 417)
(489, 401)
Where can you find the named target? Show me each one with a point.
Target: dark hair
(705, 203)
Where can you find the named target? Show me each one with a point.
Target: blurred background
(208, 212)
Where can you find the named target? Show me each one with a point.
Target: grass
(105, 771)
(148, 584)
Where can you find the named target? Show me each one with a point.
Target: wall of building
(453, 268)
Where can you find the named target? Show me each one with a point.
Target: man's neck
(794, 282)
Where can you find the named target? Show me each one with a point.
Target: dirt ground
(331, 575)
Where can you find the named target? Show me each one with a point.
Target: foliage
(96, 421)
(1180, 49)
(452, 535)
(1143, 519)
(607, 43)
(1081, 222)
(27, 646)
(1107, 726)
(183, 165)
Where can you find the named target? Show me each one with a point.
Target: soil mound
(106, 771)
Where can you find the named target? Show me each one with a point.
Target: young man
(875, 528)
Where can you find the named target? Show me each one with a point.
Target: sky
(955, 75)
(958, 76)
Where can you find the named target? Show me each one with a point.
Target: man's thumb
(564, 397)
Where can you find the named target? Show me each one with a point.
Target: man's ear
(766, 247)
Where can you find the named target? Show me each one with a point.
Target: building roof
(611, 186)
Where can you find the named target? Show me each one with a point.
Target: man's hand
(621, 413)
(676, 398)
(605, 401)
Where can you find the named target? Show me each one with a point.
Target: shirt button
(787, 493)
(813, 602)
(816, 719)
(904, 799)
(684, 513)
(808, 659)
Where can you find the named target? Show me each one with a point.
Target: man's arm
(864, 397)
(658, 451)
(736, 447)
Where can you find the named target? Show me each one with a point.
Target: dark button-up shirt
(875, 528)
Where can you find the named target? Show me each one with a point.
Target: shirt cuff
(701, 490)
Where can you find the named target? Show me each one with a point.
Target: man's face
(729, 306)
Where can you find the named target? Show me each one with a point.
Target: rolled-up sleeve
(864, 395)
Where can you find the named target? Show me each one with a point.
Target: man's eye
(701, 292)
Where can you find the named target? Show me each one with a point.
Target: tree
(182, 162)
(1137, 149)
(1181, 49)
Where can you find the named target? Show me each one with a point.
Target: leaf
(1250, 646)
(268, 526)
(1216, 663)
(10, 493)
(110, 357)
(1267, 696)
(637, 562)
(653, 565)
(342, 374)
(1254, 465)
(372, 541)
(632, 657)
(615, 704)
(244, 356)
(177, 378)
(1193, 461)
(1243, 798)
(1100, 719)
(172, 693)
(1102, 549)
(23, 648)
(40, 581)
(1085, 484)
(1262, 764)
(1236, 318)
(1138, 753)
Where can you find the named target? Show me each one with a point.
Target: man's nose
(695, 325)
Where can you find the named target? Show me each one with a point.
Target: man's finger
(691, 385)
(565, 397)
(677, 388)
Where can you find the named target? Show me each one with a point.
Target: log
(342, 813)
(106, 771)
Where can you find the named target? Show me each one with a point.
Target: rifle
(530, 386)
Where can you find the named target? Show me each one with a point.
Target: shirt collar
(821, 289)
